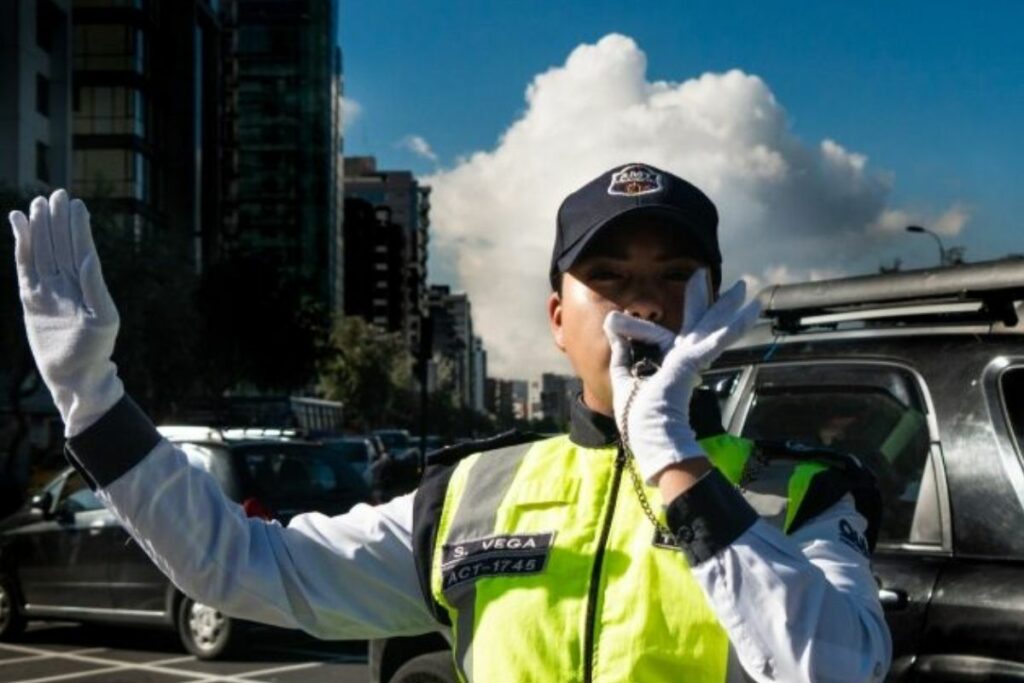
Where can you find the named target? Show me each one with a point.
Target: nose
(646, 306)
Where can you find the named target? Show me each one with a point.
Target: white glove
(69, 316)
(658, 424)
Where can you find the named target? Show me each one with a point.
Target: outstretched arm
(350, 576)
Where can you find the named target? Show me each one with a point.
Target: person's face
(640, 270)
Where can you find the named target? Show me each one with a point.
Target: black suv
(64, 556)
(921, 375)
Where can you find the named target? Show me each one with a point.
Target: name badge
(499, 555)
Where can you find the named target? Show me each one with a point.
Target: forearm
(679, 478)
(797, 608)
(344, 577)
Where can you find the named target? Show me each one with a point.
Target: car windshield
(284, 475)
(394, 440)
(353, 451)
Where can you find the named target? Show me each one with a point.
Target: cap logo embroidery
(635, 180)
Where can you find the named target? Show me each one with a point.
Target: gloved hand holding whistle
(653, 412)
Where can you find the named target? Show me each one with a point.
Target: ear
(555, 320)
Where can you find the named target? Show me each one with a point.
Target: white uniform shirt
(802, 607)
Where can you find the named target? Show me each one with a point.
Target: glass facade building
(146, 94)
(283, 127)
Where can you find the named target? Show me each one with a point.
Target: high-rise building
(283, 148)
(557, 393)
(408, 205)
(146, 102)
(506, 399)
(374, 265)
(35, 94)
(478, 376)
(454, 342)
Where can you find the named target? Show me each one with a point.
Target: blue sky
(932, 93)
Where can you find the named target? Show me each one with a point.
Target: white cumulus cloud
(418, 146)
(789, 210)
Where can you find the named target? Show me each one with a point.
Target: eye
(679, 274)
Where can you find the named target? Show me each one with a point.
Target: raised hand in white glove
(69, 316)
(658, 424)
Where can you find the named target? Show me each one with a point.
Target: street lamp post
(943, 258)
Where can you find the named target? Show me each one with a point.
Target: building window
(48, 21)
(43, 162)
(112, 173)
(103, 110)
(109, 47)
(380, 267)
(42, 94)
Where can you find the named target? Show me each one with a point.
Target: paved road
(92, 654)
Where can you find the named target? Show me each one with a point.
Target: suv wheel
(204, 631)
(434, 667)
(12, 621)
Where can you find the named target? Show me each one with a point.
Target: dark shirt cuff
(709, 517)
(113, 445)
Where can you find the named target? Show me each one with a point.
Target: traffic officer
(625, 550)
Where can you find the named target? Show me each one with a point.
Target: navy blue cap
(633, 191)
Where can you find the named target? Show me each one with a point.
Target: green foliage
(368, 370)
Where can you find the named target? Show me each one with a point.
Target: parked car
(921, 375)
(358, 451)
(396, 441)
(64, 556)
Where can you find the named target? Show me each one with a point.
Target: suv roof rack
(206, 433)
(984, 292)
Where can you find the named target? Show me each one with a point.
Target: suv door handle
(892, 599)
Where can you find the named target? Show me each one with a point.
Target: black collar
(591, 429)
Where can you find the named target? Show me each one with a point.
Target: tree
(369, 370)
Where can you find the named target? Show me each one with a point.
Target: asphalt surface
(93, 654)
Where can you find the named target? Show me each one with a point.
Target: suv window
(76, 496)
(873, 411)
(1011, 385)
(293, 472)
(723, 383)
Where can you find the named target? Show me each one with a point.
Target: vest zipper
(595, 573)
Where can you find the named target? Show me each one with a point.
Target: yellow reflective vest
(548, 569)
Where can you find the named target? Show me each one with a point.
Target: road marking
(77, 674)
(107, 665)
(21, 660)
(247, 676)
(164, 666)
(40, 652)
(171, 660)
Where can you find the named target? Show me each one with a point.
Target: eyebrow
(618, 256)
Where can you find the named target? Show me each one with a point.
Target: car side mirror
(42, 502)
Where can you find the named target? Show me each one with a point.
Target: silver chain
(634, 473)
(753, 468)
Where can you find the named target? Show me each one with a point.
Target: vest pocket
(541, 493)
